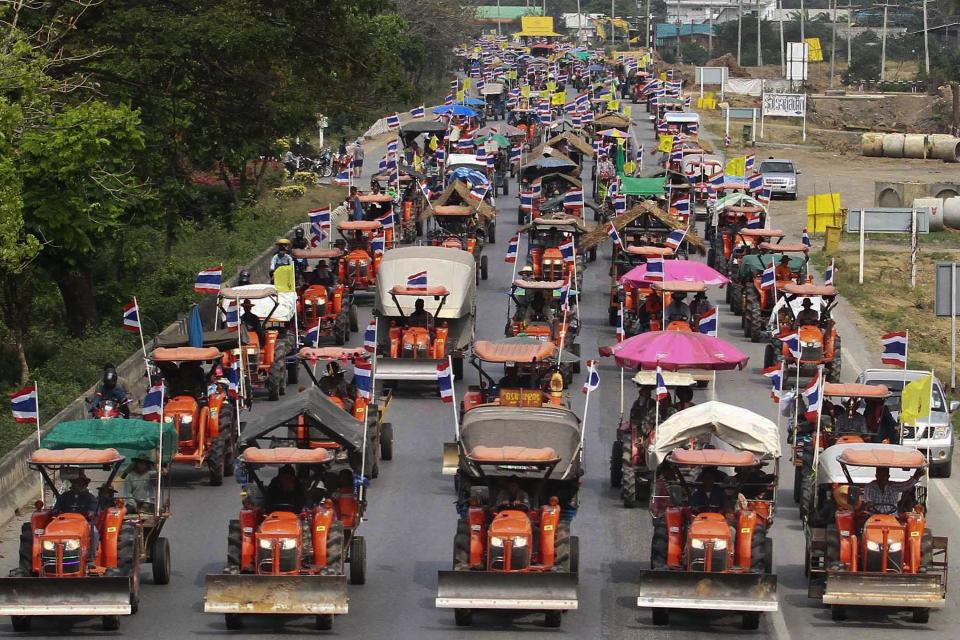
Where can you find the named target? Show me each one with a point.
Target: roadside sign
(888, 220)
(947, 290)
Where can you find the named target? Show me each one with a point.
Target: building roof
(490, 12)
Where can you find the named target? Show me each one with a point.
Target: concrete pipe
(915, 146)
(893, 145)
(951, 213)
(946, 148)
(871, 145)
(935, 206)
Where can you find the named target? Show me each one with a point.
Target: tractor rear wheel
(628, 482)
(574, 563)
(324, 622)
(461, 546)
(483, 267)
(215, 462)
(273, 389)
(339, 335)
(552, 619)
(561, 545)
(751, 314)
(616, 464)
(758, 549)
(358, 560)
(335, 548)
(293, 373)
(233, 621)
(458, 368)
(750, 620)
(658, 544)
(661, 616)
(463, 617)
(128, 562)
(160, 560)
(26, 550)
(807, 491)
(492, 233)
(612, 315)
(234, 544)
(521, 219)
(386, 441)
(21, 624)
(797, 484)
(354, 318)
(833, 544)
(921, 615)
(833, 369)
(769, 356)
(736, 297)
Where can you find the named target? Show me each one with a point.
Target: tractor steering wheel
(883, 508)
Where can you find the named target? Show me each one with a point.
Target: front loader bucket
(89, 596)
(698, 590)
(885, 589)
(276, 595)
(409, 369)
(496, 590)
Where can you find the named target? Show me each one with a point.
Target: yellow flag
(814, 50)
(434, 143)
(613, 105)
(465, 83)
(629, 167)
(627, 110)
(461, 95)
(558, 99)
(666, 143)
(525, 91)
(915, 400)
(283, 279)
(663, 75)
(736, 167)
(551, 85)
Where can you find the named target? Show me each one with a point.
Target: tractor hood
(452, 269)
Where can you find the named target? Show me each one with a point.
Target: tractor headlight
(71, 545)
(873, 546)
(288, 543)
(266, 543)
(519, 543)
(809, 344)
(697, 543)
(49, 545)
(719, 545)
(168, 419)
(496, 541)
(186, 420)
(894, 547)
(321, 301)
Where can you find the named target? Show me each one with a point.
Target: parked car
(780, 176)
(933, 435)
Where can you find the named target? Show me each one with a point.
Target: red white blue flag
(445, 381)
(363, 378)
(208, 280)
(23, 404)
(895, 348)
(131, 317)
(417, 280)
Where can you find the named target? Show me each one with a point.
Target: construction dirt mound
(908, 113)
(729, 61)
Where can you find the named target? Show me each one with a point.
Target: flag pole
(796, 396)
(453, 391)
(575, 282)
(160, 450)
(586, 404)
(242, 354)
(143, 345)
(816, 437)
(36, 393)
(366, 433)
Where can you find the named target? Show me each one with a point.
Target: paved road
(411, 523)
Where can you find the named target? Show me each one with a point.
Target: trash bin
(746, 134)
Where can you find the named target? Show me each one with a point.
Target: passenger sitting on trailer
(512, 495)
(710, 494)
(783, 272)
(139, 483)
(420, 316)
(285, 493)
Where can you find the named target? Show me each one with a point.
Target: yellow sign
(666, 143)
(551, 86)
(706, 103)
(736, 167)
(534, 26)
(814, 50)
(823, 209)
(525, 91)
(283, 279)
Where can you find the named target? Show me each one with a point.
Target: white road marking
(942, 488)
(780, 630)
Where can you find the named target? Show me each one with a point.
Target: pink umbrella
(676, 350)
(685, 270)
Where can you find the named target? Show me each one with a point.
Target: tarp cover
(450, 268)
(734, 426)
(314, 405)
(129, 437)
(642, 186)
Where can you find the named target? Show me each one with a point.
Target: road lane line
(942, 488)
(780, 630)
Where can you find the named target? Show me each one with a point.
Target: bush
(289, 192)
(694, 54)
(305, 177)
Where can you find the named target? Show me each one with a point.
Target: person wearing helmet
(110, 389)
(300, 238)
(807, 315)
(243, 278)
(282, 256)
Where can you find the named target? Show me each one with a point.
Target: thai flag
(480, 85)
(749, 161)
(621, 333)
(565, 296)
(313, 335)
(370, 337)
(425, 190)
(619, 204)
(806, 239)
(465, 144)
(813, 394)
(448, 100)
(515, 154)
(754, 221)
(755, 182)
(491, 160)
(208, 280)
(153, 401)
(392, 146)
(682, 205)
(828, 276)
(23, 403)
(233, 379)
(593, 377)
(131, 317)
(386, 220)
(655, 269)
(481, 155)
(570, 107)
(479, 192)
(764, 196)
(382, 165)
(640, 155)
(231, 313)
(662, 393)
(793, 344)
(319, 225)
(669, 74)
(363, 378)
(775, 373)
(612, 232)
(378, 244)
(568, 250)
(769, 276)
(894, 349)
(455, 84)
(526, 202)
(708, 323)
(716, 181)
(614, 187)
(512, 250)
(583, 100)
(675, 239)
(535, 189)
(418, 112)
(342, 179)
(445, 380)
(676, 155)
(393, 122)
(573, 198)
(586, 117)
(440, 155)
(417, 280)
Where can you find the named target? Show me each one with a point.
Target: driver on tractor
(678, 310)
(512, 496)
(538, 310)
(783, 272)
(335, 385)
(807, 316)
(79, 500)
(285, 493)
(252, 321)
(710, 494)
(420, 317)
(882, 496)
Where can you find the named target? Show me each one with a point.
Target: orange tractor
(535, 378)
(459, 227)
(358, 269)
(206, 423)
(286, 551)
(807, 312)
(865, 552)
(544, 239)
(324, 311)
(710, 548)
(729, 221)
(627, 294)
(748, 243)
(789, 261)
(82, 556)
(516, 495)
(538, 312)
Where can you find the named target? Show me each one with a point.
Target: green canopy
(755, 263)
(501, 141)
(642, 186)
(130, 437)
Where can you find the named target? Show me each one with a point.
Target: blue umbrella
(455, 109)
(473, 102)
(469, 175)
(195, 327)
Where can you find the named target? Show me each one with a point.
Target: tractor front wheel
(358, 560)
(833, 369)
(386, 441)
(758, 550)
(110, 623)
(616, 464)
(215, 462)
(234, 544)
(552, 619)
(26, 550)
(838, 612)
(658, 544)
(661, 616)
(21, 624)
(160, 560)
(750, 621)
(335, 548)
(233, 621)
(463, 617)
(324, 622)
(921, 616)
(628, 481)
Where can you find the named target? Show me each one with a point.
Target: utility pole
(651, 41)
(833, 44)
(579, 24)
(926, 41)
(849, 28)
(499, 32)
(739, 27)
(710, 35)
(803, 23)
(613, 26)
(759, 45)
(783, 57)
(883, 45)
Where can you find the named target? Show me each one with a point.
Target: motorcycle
(109, 409)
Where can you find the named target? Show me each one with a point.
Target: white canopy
(735, 427)
(829, 469)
